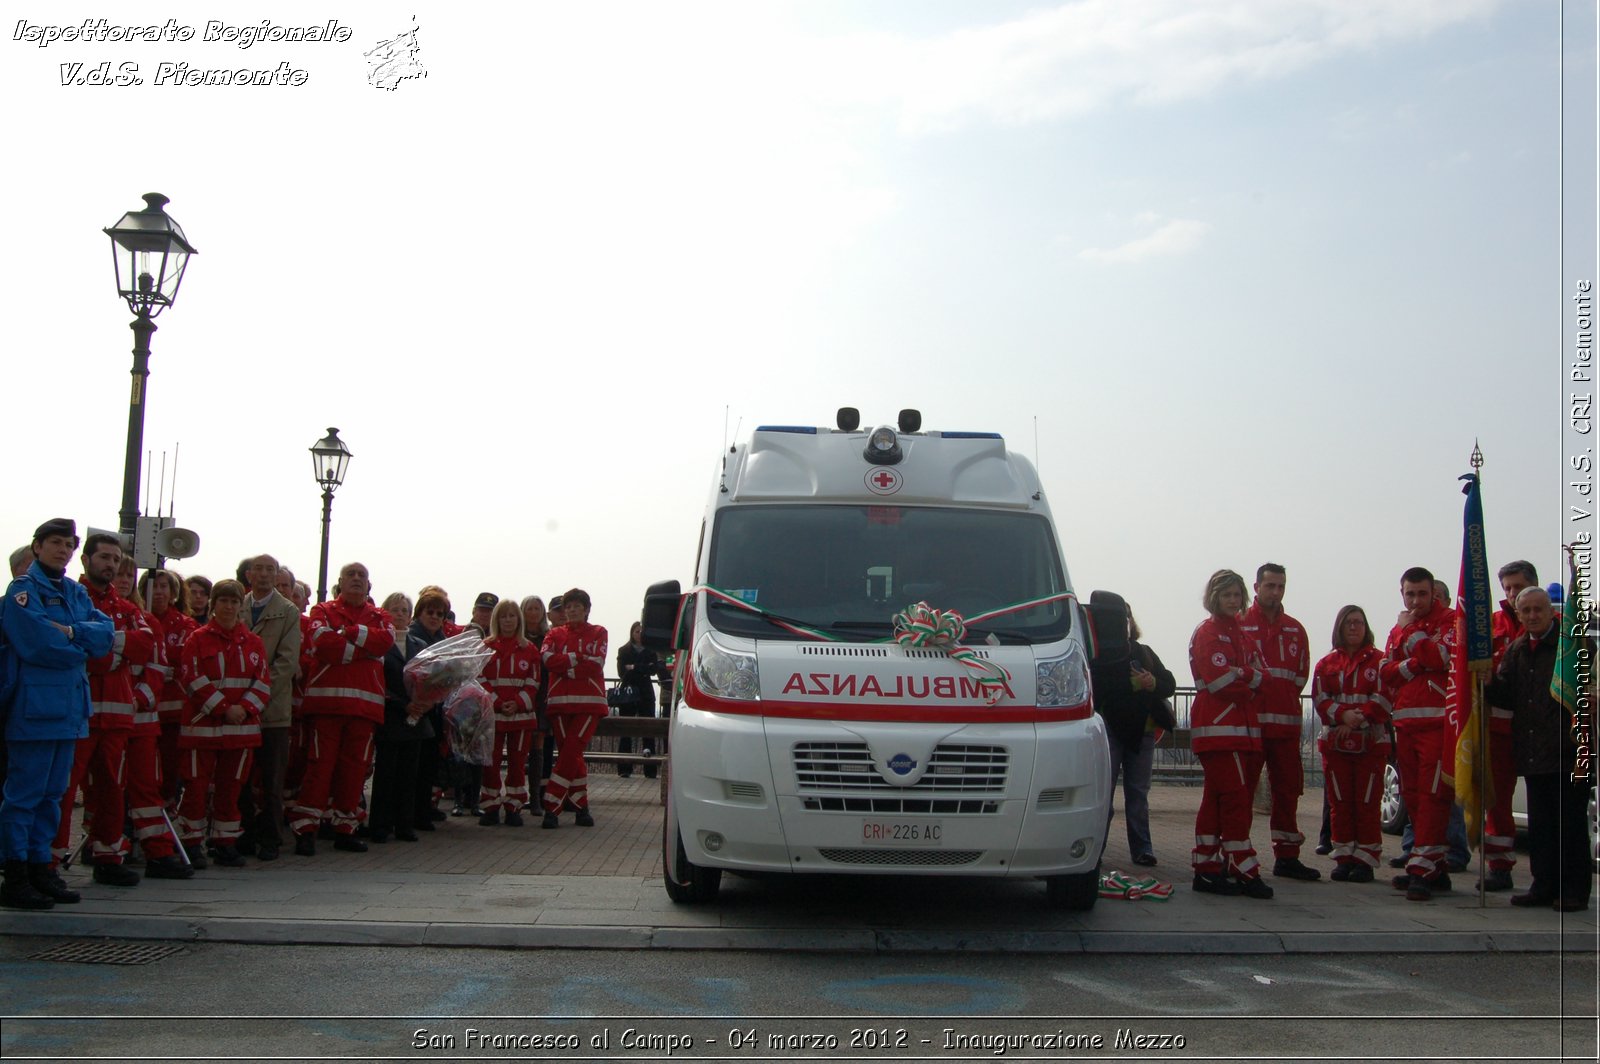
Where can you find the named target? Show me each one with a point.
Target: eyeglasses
(431, 612)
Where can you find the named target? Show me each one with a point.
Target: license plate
(902, 833)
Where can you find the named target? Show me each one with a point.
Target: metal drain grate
(107, 953)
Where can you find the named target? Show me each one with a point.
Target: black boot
(19, 893)
(47, 881)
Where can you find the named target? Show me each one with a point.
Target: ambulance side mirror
(1108, 617)
(659, 620)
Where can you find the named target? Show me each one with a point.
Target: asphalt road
(213, 1001)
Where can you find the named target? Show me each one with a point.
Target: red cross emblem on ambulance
(883, 481)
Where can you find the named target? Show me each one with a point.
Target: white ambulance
(811, 733)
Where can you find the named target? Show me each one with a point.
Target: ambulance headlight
(883, 446)
(724, 673)
(1063, 681)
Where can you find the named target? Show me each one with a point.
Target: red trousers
(212, 780)
(1421, 763)
(1355, 796)
(1286, 777)
(171, 771)
(511, 793)
(99, 757)
(1500, 831)
(146, 785)
(1222, 823)
(338, 757)
(569, 778)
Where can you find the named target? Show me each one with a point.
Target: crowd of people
(214, 722)
(1252, 661)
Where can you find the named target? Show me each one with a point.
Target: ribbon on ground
(1124, 887)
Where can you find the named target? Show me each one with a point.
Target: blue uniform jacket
(50, 690)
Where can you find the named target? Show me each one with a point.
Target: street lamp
(150, 254)
(329, 458)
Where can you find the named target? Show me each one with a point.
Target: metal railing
(1175, 761)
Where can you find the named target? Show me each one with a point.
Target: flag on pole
(1474, 659)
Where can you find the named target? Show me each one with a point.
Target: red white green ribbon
(923, 626)
(917, 626)
(1130, 888)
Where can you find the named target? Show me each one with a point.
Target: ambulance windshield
(848, 570)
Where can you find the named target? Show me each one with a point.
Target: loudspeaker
(158, 538)
(177, 543)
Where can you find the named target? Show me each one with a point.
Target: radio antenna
(163, 496)
(1036, 455)
(149, 465)
(171, 498)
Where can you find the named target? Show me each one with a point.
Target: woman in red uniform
(512, 677)
(224, 670)
(1348, 694)
(164, 597)
(574, 656)
(1226, 739)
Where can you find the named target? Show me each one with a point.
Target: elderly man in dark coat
(1545, 751)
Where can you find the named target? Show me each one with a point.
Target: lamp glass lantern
(329, 458)
(150, 253)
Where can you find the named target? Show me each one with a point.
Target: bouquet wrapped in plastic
(443, 668)
(469, 721)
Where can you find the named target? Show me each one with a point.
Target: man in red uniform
(1281, 642)
(343, 706)
(1500, 834)
(574, 657)
(101, 755)
(1416, 667)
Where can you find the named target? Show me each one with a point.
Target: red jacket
(1505, 627)
(150, 680)
(1416, 668)
(348, 644)
(1282, 645)
(111, 676)
(574, 659)
(1352, 681)
(512, 677)
(222, 668)
(1227, 673)
(175, 627)
(308, 665)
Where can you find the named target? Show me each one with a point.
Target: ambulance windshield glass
(848, 570)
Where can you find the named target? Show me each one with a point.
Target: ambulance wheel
(689, 884)
(1075, 892)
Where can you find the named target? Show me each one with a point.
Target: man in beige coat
(276, 620)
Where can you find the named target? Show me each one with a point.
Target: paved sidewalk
(466, 885)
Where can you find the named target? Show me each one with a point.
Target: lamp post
(329, 458)
(150, 254)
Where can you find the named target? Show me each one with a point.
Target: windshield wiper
(1004, 635)
(867, 626)
(774, 619)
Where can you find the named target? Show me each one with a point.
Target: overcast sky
(1248, 279)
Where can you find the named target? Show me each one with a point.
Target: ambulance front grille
(902, 858)
(927, 806)
(961, 767)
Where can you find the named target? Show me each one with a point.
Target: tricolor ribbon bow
(923, 626)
